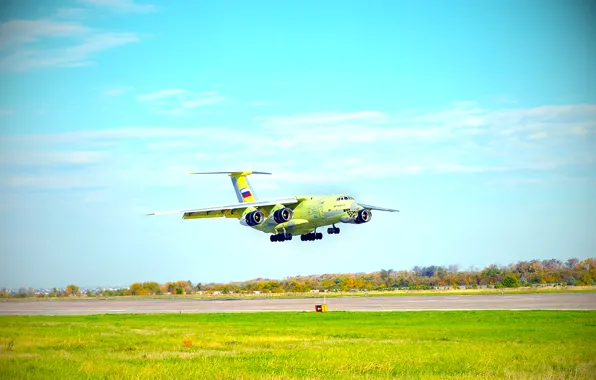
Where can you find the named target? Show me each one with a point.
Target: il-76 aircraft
(284, 217)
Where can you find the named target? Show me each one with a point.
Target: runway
(558, 301)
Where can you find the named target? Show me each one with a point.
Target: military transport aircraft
(284, 217)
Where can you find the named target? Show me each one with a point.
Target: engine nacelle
(283, 215)
(253, 218)
(364, 216)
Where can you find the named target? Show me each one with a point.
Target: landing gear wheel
(318, 236)
(280, 237)
(335, 230)
(330, 231)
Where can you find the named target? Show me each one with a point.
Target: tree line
(523, 273)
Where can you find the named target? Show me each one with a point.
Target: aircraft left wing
(228, 211)
(369, 207)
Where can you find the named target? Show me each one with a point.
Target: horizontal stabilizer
(246, 172)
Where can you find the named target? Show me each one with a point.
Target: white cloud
(6, 111)
(260, 103)
(69, 13)
(18, 32)
(328, 146)
(118, 90)
(122, 5)
(44, 158)
(203, 101)
(178, 101)
(72, 56)
(321, 118)
(162, 94)
(24, 43)
(582, 130)
(537, 136)
(457, 168)
(53, 180)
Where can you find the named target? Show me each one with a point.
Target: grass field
(289, 345)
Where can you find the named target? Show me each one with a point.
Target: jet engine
(283, 215)
(253, 218)
(363, 216)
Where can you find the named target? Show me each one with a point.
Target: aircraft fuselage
(316, 211)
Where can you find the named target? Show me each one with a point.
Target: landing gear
(311, 236)
(280, 237)
(333, 230)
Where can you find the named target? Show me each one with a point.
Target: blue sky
(476, 119)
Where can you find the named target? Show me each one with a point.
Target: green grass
(289, 345)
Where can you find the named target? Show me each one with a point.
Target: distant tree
(571, 263)
(510, 282)
(137, 289)
(152, 287)
(430, 271)
(524, 273)
(386, 276)
(552, 264)
(277, 289)
(72, 290)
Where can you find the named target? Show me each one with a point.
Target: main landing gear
(280, 237)
(311, 236)
(333, 230)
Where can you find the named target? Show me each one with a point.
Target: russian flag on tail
(245, 193)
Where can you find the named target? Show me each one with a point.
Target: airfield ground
(539, 301)
(296, 345)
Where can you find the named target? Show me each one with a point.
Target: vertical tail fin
(244, 191)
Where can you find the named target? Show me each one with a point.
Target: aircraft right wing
(369, 207)
(229, 211)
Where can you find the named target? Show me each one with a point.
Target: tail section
(244, 191)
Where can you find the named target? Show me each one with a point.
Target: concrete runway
(557, 301)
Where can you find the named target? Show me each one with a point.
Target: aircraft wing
(369, 207)
(228, 211)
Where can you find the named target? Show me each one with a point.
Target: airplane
(284, 218)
